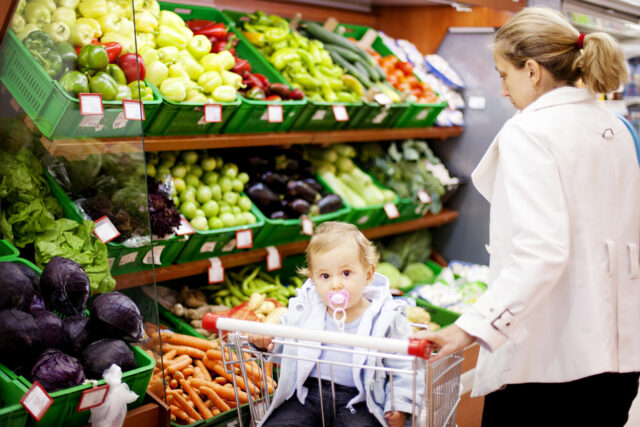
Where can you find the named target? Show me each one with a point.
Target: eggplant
(279, 215)
(299, 207)
(311, 182)
(300, 189)
(259, 164)
(262, 196)
(330, 203)
(275, 181)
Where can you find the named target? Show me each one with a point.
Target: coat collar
(560, 96)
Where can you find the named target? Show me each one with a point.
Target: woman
(559, 326)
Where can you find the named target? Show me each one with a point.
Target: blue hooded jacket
(384, 317)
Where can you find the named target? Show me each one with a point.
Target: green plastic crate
(177, 324)
(55, 112)
(122, 258)
(251, 116)
(316, 115)
(12, 413)
(213, 243)
(439, 315)
(413, 114)
(8, 251)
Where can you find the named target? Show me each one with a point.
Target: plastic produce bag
(114, 409)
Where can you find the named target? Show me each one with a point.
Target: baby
(343, 293)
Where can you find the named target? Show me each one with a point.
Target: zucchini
(368, 71)
(325, 36)
(347, 54)
(342, 190)
(350, 68)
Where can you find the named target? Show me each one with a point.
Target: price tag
(216, 270)
(307, 226)
(382, 99)
(133, 109)
(153, 256)
(212, 113)
(244, 239)
(128, 258)
(340, 113)
(424, 197)
(36, 401)
(91, 104)
(319, 115)
(275, 114)
(207, 247)
(391, 210)
(231, 245)
(93, 397)
(185, 228)
(274, 262)
(104, 230)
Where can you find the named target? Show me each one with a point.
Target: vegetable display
(400, 75)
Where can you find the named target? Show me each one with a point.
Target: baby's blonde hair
(332, 234)
(544, 35)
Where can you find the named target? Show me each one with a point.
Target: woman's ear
(533, 71)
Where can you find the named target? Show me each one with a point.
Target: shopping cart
(436, 385)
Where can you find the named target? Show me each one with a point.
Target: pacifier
(338, 301)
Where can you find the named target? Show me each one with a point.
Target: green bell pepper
(75, 82)
(68, 54)
(104, 84)
(116, 72)
(43, 50)
(124, 92)
(145, 93)
(92, 58)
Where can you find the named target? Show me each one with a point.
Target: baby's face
(340, 268)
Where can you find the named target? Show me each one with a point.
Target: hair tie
(580, 41)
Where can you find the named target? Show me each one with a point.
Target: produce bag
(114, 409)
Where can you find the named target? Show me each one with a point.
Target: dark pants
(601, 400)
(294, 414)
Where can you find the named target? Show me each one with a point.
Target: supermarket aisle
(634, 414)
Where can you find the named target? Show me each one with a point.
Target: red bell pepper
(262, 78)
(296, 94)
(128, 63)
(218, 31)
(240, 66)
(250, 80)
(114, 49)
(198, 24)
(273, 98)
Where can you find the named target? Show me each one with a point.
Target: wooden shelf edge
(177, 271)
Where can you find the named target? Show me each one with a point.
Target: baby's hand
(396, 418)
(261, 341)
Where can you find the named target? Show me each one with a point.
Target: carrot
(197, 373)
(181, 339)
(195, 398)
(179, 413)
(231, 403)
(215, 411)
(183, 349)
(205, 372)
(178, 375)
(214, 398)
(221, 380)
(219, 369)
(188, 370)
(177, 396)
(209, 404)
(226, 393)
(169, 355)
(179, 365)
(173, 383)
(214, 354)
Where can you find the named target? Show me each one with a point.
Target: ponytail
(544, 35)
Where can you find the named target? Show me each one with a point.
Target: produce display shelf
(77, 150)
(257, 255)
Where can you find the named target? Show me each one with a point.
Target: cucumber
(347, 54)
(371, 75)
(350, 68)
(326, 36)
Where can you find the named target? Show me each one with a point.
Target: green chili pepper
(116, 72)
(68, 54)
(92, 58)
(282, 57)
(306, 80)
(104, 84)
(75, 82)
(274, 34)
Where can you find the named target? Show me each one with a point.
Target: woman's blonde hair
(544, 35)
(332, 234)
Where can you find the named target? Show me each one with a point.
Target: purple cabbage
(55, 370)
(20, 332)
(77, 333)
(101, 354)
(115, 315)
(51, 329)
(65, 286)
(37, 304)
(16, 289)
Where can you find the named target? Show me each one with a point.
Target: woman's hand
(396, 418)
(448, 340)
(261, 341)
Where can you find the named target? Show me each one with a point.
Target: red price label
(244, 239)
(93, 397)
(36, 401)
(275, 114)
(91, 104)
(216, 271)
(340, 113)
(212, 113)
(133, 109)
(104, 230)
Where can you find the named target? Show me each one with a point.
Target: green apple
(200, 223)
(168, 157)
(230, 170)
(197, 170)
(240, 218)
(203, 194)
(236, 210)
(188, 195)
(251, 219)
(243, 177)
(153, 158)
(219, 162)
(190, 157)
(188, 209)
(228, 219)
(163, 170)
(237, 185)
(216, 192)
(230, 197)
(211, 178)
(179, 184)
(208, 164)
(192, 181)
(200, 212)
(244, 203)
(211, 208)
(151, 170)
(179, 171)
(223, 208)
(215, 222)
(226, 184)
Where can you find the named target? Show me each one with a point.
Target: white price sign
(307, 226)
(382, 99)
(93, 397)
(36, 401)
(275, 114)
(391, 210)
(104, 230)
(424, 197)
(212, 113)
(274, 261)
(91, 104)
(340, 113)
(133, 109)
(216, 270)
(244, 239)
(185, 228)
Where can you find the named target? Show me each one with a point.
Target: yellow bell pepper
(125, 42)
(109, 22)
(94, 24)
(145, 22)
(64, 14)
(93, 8)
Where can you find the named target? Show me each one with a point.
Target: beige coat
(564, 295)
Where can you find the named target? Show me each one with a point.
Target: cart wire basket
(435, 385)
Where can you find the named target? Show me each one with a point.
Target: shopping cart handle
(210, 321)
(420, 348)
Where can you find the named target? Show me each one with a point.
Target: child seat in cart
(435, 385)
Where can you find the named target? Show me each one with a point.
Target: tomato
(406, 68)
